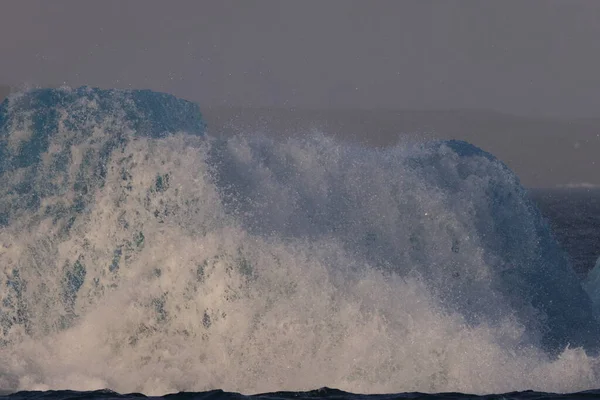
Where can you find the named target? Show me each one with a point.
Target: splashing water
(138, 254)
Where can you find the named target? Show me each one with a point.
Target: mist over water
(139, 254)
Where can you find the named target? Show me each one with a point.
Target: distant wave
(139, 254)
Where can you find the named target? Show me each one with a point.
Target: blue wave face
(141, 255)
(146, 112)
(31, 121)
(43, 112)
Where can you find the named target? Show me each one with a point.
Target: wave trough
(138, 253)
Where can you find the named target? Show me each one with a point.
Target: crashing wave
(141, 255)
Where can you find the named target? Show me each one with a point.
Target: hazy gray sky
(525, 57)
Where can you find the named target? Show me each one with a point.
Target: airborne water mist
(139, 254)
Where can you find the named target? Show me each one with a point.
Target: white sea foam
(254, 265)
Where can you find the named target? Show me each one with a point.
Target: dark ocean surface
(318, 394)
(574, 215)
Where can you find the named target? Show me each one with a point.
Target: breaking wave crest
(139, 254)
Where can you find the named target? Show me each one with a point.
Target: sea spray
(139, 254)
